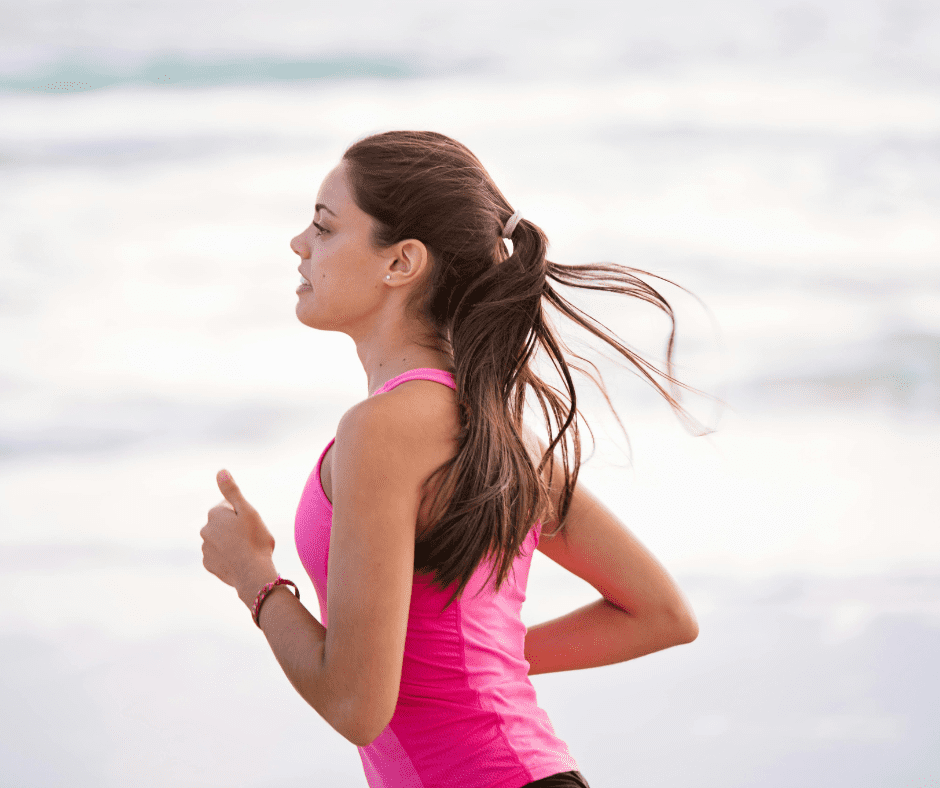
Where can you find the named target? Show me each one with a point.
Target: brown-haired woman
(418, 524)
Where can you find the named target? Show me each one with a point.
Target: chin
(305, 315)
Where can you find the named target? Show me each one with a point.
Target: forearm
(297, 640)
(601, 634)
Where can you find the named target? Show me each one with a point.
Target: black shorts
(560, 780)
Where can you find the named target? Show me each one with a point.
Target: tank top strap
(422, 373)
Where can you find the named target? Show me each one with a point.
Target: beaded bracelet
(262, 594)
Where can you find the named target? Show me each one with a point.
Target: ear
(413, 255)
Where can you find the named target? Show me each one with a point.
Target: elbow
(362, 714)
(360, 740)
(689, 631)
(364, 727)
(678, 625)
(363, 737)
(685, 626)
(359, 735)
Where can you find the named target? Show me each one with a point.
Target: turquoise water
(76, 74)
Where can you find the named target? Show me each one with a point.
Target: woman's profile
(418, 524)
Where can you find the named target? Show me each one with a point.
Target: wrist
(265, 592)
(253, 581)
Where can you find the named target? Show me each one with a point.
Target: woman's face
(337, 257)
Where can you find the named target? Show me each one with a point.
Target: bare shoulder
(422, 413)
(418, 417)
(424, 403)
(422, 416)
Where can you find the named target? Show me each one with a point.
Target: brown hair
(484, 308)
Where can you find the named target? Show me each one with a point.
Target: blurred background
(778, 159)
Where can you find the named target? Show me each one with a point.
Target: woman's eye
(320, 229)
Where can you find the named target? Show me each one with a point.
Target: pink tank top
(467, 714)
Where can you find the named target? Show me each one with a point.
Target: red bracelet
(262, 594)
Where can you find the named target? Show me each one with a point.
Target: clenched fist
(237, 546)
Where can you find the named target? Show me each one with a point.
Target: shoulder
(415, 411)
(407, 430)
(417, 397)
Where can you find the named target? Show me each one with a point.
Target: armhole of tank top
(320, 489)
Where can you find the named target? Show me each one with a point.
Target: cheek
(341, 266)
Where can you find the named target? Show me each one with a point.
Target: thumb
(230, 490)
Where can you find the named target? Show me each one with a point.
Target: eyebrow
(320, 206)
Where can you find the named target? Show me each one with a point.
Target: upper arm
(599, 548)
(376, 486)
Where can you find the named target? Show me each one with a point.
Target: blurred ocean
(781, 161)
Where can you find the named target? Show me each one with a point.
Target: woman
(416, 526)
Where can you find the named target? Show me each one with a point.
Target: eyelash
(320, 229)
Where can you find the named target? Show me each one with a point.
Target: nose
(298, 246)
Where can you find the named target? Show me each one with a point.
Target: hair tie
(511, 224)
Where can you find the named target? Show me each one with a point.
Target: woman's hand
(236, 544)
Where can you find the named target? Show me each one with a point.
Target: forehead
(334, 191)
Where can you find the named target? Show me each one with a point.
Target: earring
(388, 277)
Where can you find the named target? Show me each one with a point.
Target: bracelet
(263, 593)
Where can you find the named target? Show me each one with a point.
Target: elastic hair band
(511, 224)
